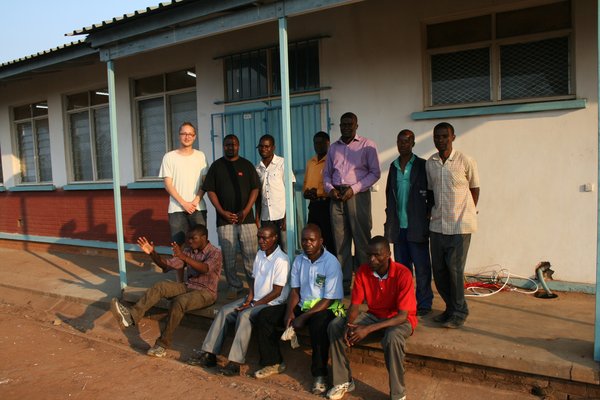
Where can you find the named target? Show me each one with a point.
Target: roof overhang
(60, 58)
(185, 21)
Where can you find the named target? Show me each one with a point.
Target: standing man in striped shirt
(454, 180)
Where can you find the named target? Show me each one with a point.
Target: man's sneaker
(206, 360)
(270, 370)
(454, 322)
(121, 313)
(338, 391)
(157, 351)
(319, 385)
(231, 369)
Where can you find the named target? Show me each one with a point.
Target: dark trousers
(416, 254)
(448, 259)
(319, 214)
(268, 337)
(181, 222)
(351, 221)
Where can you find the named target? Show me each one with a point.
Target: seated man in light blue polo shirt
(316, 291)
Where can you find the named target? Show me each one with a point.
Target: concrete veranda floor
(509, 331)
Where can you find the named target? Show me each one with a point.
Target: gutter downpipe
(286, 129)
(114, 145)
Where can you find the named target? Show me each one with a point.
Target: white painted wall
(531, 166)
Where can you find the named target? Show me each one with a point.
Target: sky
(30, 26)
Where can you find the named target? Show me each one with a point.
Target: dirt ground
(54, 349)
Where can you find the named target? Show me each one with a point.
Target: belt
(319, 199)
(341, 187)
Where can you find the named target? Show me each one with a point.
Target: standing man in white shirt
(183, 171)
(270, 204)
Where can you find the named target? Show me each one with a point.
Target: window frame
(91, 112)
(165, 95)
(494, 45)
(272, 70)
(33, 121)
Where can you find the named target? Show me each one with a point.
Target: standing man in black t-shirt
(232, 185)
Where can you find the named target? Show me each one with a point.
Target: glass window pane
(76, 101)
(245, 75)
(312, 65)
(181, 79)
(460, 77)
(103, 147)
(40, 109)
(253, 67)
(535, 69)
(26, 152)
(228, 79)
(43, 143)
(293, 68)
(262, 73)
(236, 75)
(150, 85)
(469, 30)
(152, 135)
(275, 72)
(22, 112)
(99, 97)
(545, 18)
(183, 109)
(81, 154)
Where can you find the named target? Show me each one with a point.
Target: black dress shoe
(231, 369)
(454, 322)
(443, 317)
(206, 360)
(423, 311)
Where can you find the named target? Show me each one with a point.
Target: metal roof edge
(46, 58)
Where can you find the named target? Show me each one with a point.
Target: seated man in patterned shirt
(203, 262)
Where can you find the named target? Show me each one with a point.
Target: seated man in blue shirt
(316, 288)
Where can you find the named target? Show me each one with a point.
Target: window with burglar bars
(89, 136)
(33, 142)
(163, 103)
(256, 74)
(505, 56)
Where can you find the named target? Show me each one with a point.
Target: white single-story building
(518, 79)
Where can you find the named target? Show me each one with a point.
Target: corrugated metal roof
(126, 17)
(44, 52)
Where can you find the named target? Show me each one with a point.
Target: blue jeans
(416, 254)
(181, 222)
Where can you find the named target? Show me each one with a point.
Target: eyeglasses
(187, 134)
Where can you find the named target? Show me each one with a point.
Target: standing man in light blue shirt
(407, 216)
(316, 291)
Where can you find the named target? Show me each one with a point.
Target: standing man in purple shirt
(352, 168)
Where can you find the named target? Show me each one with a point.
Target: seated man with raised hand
(269, 287)
(316, 283)
(203, 262)
(387, 288)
